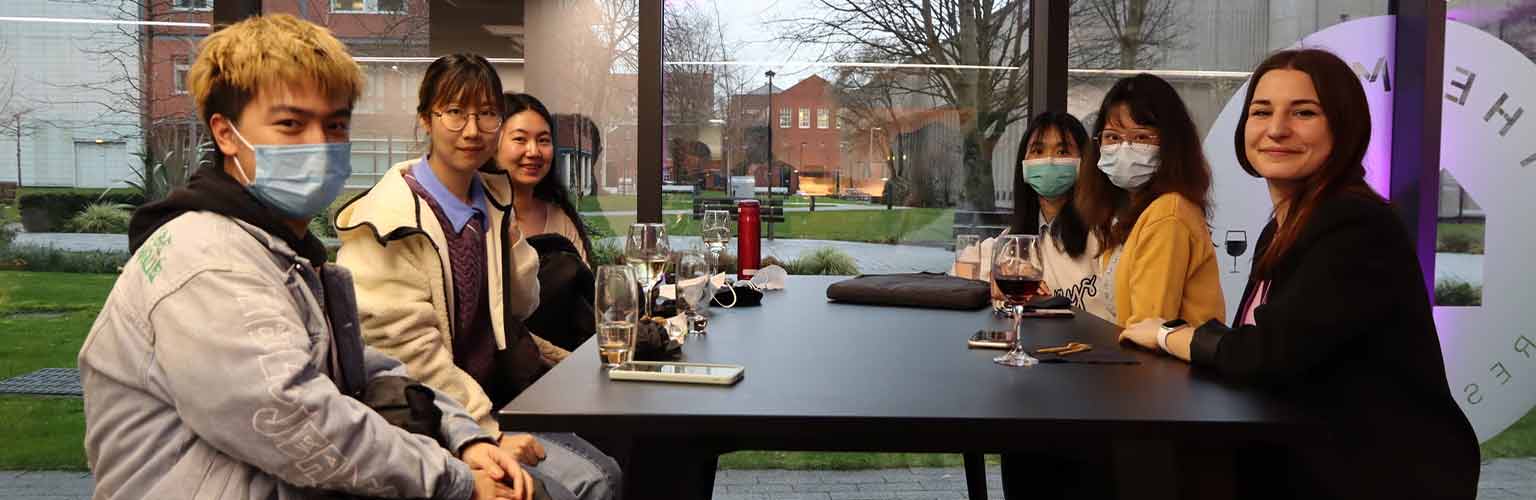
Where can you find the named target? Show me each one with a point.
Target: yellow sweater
(1168, 266)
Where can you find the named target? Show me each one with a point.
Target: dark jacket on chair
(1347, 329)
(566, 289)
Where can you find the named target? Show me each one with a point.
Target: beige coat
(397, 252)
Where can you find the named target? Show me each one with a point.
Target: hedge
(47, 210)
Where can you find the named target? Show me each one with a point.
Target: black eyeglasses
(456, 119)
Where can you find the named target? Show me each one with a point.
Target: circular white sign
(1487, 145)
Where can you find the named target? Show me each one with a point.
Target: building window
(805, 117)
(179, 75)
(192, 4)
(784, 118)
(823, 119)
(369, 6)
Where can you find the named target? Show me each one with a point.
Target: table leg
(667, 468)
(976, 476)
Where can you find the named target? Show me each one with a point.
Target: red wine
(1018, 290)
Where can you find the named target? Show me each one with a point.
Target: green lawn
(57, 311)
(47, 432)
(875, 226)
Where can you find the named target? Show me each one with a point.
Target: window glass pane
(1205, 51)
(1482, 121)
(887, 180)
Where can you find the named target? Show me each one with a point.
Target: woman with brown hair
(1147, 202)
(1335, 313)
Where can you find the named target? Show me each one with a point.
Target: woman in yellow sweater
(1147, 200)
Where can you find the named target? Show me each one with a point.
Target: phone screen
(992, 336)
(713, 371)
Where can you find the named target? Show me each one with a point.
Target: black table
(841, 377)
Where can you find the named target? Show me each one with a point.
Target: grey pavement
(1502, 479)
(789, 207)
(870, 257)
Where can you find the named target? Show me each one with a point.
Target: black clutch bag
(930, 290)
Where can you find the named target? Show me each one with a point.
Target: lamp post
(771, 124)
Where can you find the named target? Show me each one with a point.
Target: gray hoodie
(209, 373)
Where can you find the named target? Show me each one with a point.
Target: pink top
(1260, 295)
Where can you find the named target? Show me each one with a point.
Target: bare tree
(978, 51)
(697, 93)
(1123, 34)
(14, 112)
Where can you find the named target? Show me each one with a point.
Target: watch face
(1175, 323)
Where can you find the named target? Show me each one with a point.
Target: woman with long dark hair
(1050, 154)
(546, 216)
(540, 200)
(1335, 312)
(1148, 202)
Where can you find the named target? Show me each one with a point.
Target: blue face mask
(1051, 177)
(300, 180)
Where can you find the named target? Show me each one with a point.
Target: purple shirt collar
(457, 212)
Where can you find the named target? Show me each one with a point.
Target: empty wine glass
(1237, 243)
(646, 251)
(693, 289)
(716, 232)
(1016, 273)
(617, 307)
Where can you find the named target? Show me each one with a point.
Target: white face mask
(1129, 165)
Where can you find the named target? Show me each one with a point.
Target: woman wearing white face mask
(1147, 202)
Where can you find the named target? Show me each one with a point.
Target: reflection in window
(784, 118)
(179, 76)
(192, 4)
(805, 117)
(822, 119)
(369, 6)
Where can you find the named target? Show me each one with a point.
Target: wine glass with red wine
(1237, 243)
(1016, 272)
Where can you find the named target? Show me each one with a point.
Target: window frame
(404, 8)
(179, 6)
(805, 118)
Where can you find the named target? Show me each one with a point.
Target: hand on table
(1143, 333)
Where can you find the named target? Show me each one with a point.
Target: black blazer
(1347, 328)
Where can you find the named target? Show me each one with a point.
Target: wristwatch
(1167, 328)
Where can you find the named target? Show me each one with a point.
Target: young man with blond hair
(226, 363)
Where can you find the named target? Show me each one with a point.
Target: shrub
(604, 253)
(1458, 293)
(44, 210)
(100, 218)
(43, 259)
(1459, 242)
(822, 261)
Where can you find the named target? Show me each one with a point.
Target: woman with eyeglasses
(1147, 202)
(445, 278)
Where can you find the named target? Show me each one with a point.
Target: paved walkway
(790, 207)
(1504, 479)
(871, 257)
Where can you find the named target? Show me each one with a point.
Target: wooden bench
(772, 211)
(7, 192)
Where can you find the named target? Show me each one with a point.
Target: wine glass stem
(1018, 344)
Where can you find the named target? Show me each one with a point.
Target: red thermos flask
(748, 258)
